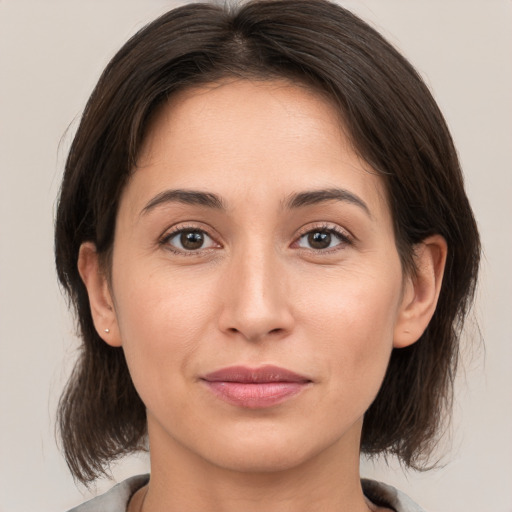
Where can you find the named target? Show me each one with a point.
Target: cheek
(161, 320)
(352, 325)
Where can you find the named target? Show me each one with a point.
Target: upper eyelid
(326, 226)
(179, 227)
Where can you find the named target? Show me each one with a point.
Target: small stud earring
(107, 330)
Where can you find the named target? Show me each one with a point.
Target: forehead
(238, 136)
(275, 112)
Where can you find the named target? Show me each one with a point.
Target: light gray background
(51, 55)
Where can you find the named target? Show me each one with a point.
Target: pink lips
(255, 388)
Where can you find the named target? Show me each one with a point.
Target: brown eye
(189, 240)
(321, 239)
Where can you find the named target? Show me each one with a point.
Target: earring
(107, 330)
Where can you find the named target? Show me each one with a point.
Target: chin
(260, 459)
(265, 452)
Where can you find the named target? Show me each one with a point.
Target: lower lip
(255, 395)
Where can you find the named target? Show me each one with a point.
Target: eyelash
(164, 241)
(345, 239)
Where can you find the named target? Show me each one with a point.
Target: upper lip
(262, 374)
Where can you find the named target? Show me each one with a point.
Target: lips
(255, 388)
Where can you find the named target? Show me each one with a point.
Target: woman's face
(251, 235)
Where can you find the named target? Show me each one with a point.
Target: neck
(182, 480)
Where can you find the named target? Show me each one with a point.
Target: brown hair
(395, 125)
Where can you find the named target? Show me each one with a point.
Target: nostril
(277, 330)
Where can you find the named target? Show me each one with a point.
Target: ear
(421, 291)
(100, 298)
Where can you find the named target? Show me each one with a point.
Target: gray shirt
(116, 500)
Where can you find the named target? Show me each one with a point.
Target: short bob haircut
(394, 125)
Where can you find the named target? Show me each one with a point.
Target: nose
(254, 298)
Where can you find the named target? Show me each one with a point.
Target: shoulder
(385, 495)
(115, 500)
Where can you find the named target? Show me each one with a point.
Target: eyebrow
(294, 201)
(192, 197)
(314, 197)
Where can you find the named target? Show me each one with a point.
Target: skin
(256, 292)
